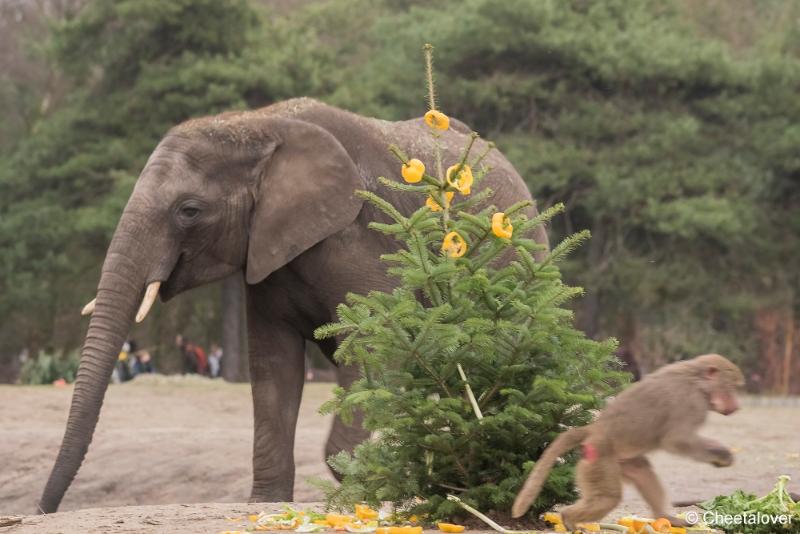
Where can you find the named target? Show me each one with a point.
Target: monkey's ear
(711, 372)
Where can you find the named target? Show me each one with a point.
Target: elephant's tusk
(89, 308)
(148, 300)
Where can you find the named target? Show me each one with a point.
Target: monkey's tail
(563, 444)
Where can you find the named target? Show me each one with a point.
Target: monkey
(663, 411)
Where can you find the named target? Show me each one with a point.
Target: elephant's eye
(189, 212)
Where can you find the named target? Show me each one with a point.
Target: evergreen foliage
(137, 68)
(669, 146)
(668, 128)
(467, 384)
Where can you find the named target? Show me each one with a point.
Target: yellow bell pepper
(338, 520)
(434, 205)
(553, 518)
(413, 171)
(454, 245)
(501, 226)
(365, 513)
(438, 120)
(449, 527)
(461, 181)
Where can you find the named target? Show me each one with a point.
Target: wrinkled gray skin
(271, 192)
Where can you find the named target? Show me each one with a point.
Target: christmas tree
(464, 387)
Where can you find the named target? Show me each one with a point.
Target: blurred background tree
(670, 128)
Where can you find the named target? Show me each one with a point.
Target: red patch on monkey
(589, 452)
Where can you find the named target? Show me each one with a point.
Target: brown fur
(663, 411)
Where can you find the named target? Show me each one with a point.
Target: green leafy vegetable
(775, 512)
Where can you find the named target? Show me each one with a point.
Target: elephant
(270, 193)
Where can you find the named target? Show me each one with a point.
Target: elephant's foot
(271, 493)
(273, 486)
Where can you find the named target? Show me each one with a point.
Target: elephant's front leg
(344, 437)
(276, 373)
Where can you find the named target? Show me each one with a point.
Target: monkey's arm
(700, 449)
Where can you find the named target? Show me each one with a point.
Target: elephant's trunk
(120, 291)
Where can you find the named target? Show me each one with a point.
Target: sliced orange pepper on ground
(661, 524)
(338, 520)
(634, 524)
(364, 512)
(449, 527)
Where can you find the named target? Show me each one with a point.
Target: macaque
(663, 411)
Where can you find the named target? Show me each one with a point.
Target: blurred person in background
(214, 359)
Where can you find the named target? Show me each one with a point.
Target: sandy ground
(170, 442)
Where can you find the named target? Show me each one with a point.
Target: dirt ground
(173, 442)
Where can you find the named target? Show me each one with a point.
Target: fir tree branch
(428, 53)
(422, 254)
(420, 360)
(397, 186)
(432, 373)
(384, 206)
(472, 137)
(513, 360)
(399, 154)
(450, 452)
(438, 152)
(489, 148)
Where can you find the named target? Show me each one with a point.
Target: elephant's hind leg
(277, 375)
(344, 437)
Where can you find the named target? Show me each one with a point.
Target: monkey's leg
(600, 483)
(639, 472)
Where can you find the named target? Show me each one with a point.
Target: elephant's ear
(305, 192)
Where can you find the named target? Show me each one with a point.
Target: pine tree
(465, 386)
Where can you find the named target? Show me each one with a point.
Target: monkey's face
(724, 402)
(722, 381)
